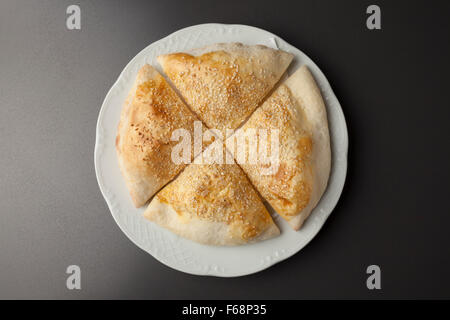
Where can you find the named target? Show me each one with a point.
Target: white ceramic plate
(182, 254)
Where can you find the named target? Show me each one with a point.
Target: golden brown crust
(297, 110)
(150, 114)
(306, 92)
(223, 87)
(219, 197)
(288, 189)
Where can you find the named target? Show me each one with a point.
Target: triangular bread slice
(300, 175)
(213, 204)
(150, 114)
(224, 83)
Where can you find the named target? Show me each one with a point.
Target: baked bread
(224, 83)
(213, 204)
(144, 146)
(295, 186)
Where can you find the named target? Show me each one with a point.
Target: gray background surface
(393, 87)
